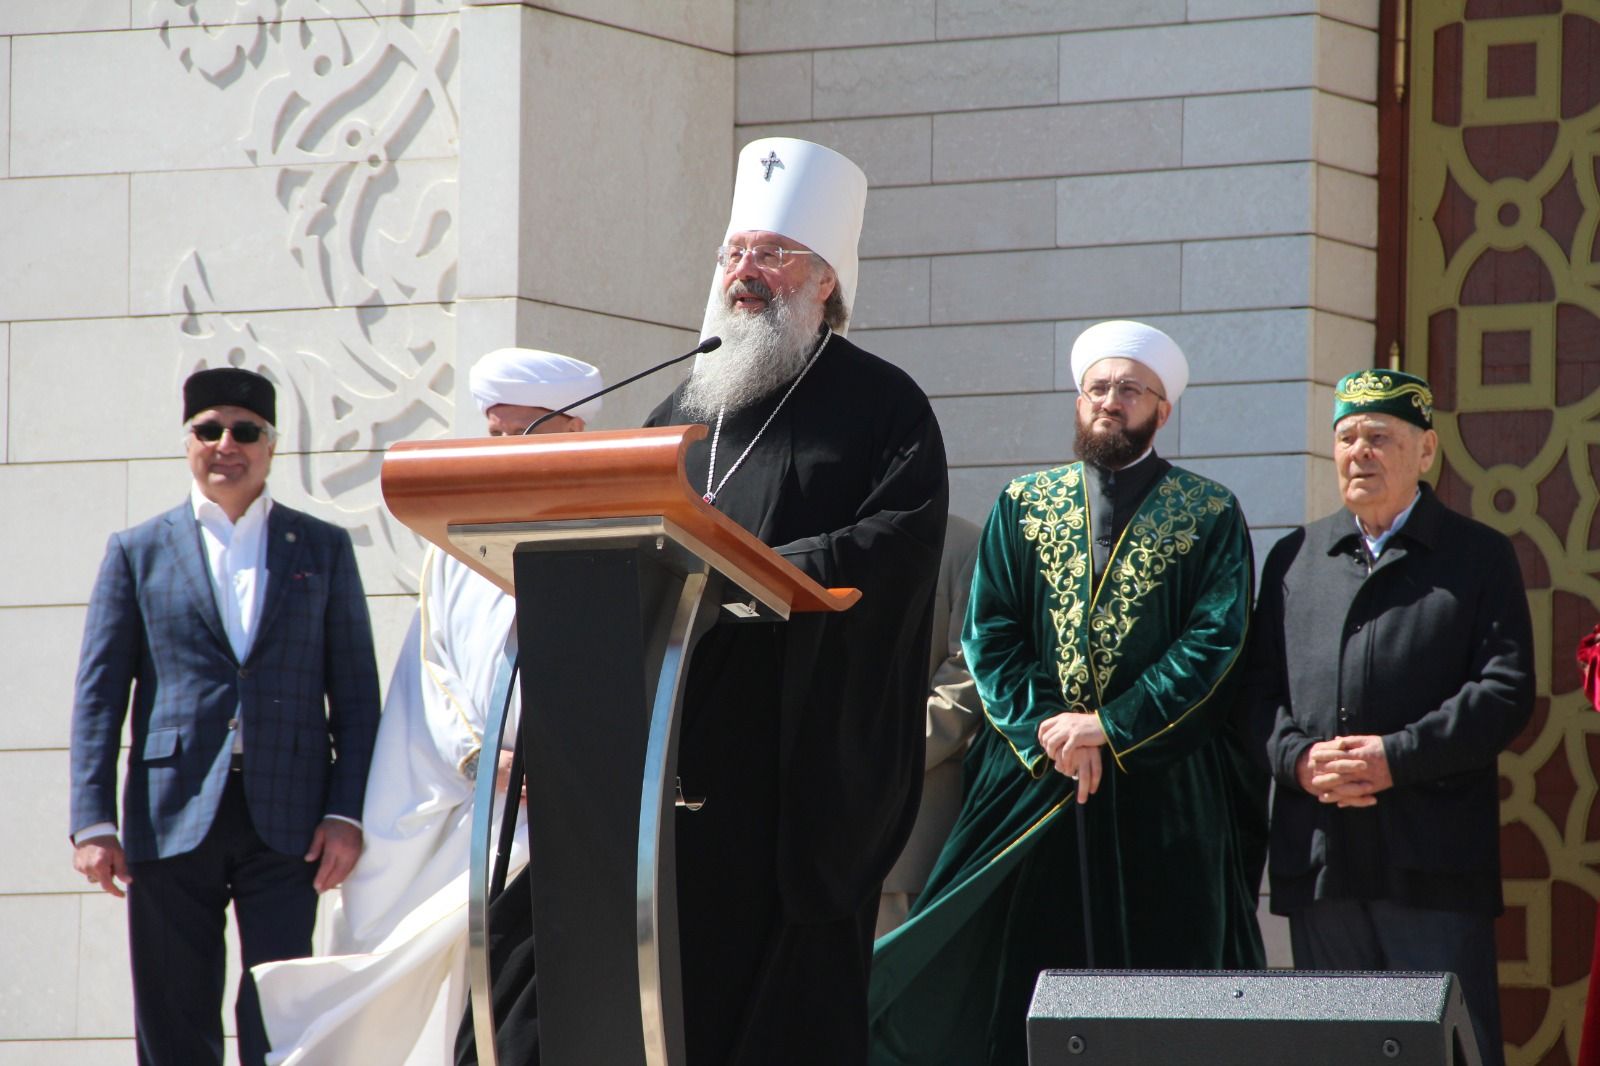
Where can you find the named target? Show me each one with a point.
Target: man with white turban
(1107, 793)
(803, 738)
(393, 985)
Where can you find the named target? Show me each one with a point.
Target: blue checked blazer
(306, 697)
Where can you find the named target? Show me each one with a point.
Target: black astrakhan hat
(229, 386)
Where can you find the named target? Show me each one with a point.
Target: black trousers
(1342, 934)
(513, 984)
(177, 912)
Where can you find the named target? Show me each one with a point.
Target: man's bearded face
(1110, 440)
(767, 337)
(1117, 429)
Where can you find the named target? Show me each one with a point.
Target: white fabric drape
(392, 986)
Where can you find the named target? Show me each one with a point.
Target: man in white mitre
(394, 985)
(805, 739)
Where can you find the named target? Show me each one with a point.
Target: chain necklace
(711, 494)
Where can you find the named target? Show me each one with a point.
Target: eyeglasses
(242, 432)
(1128, 391)
(764, 256)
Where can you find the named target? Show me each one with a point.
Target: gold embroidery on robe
(1165, 528)
(1056, 521)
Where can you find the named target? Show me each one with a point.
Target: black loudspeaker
(1248, 1018)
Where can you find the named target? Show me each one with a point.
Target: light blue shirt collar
(1375, 545)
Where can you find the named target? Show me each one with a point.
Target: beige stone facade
(361, 196)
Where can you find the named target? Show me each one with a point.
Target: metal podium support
(609, 614)
(619, 567)
(479, 871)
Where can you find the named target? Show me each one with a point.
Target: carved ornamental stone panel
(344, 112)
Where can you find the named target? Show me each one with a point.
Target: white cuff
(99, 829)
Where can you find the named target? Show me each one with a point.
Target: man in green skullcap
(1390, 665)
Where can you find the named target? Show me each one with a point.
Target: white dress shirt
(236, 557)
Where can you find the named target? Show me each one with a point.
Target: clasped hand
(1347, 771)
(502, 775)
(1072, 740)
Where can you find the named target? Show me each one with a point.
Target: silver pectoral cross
(771, 161)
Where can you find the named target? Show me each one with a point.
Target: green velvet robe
(1177, 828)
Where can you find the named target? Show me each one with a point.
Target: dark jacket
(308, 689)
(1431, 648)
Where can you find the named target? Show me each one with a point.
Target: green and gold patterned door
(1501, 311)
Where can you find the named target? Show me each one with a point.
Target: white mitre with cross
(806, 192)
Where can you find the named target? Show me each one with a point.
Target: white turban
(806, 192)
(1136, 341)
(527, 377)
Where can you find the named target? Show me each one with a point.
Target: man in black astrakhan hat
(1391, 663)
(239, 628)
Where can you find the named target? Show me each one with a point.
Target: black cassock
(805, 737)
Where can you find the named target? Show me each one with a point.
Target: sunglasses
(243, 432)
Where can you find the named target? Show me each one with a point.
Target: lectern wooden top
(575, 477)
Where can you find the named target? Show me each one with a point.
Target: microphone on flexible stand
(710, 344)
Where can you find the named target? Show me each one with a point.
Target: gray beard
(761, 352)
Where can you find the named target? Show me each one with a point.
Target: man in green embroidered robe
(1107, 616)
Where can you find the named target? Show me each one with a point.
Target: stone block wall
(1036, 167)
(597, 155)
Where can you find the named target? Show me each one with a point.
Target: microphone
(710, 344)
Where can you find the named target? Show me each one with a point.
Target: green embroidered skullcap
(1384, 392)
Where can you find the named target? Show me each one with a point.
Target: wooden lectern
(619, 567)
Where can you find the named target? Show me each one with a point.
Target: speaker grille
(1248, 1018)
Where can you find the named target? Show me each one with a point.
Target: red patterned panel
(1442, 359)
(1530, 733)
(1543, 349)
(1516, 277)
(1558, 499)
(1452, 488)
(1522, 857)
(1530, 560)
(1513, 70)
(1580, 65)
(1594, 247)
(1447, 75)
(1453, 218)
(1515, 151)
(1521, 1012)
(1556, 1056)
(1572, 914)
(1591, 745)
(1593, 540)
(1494, 437)
(1507, 357)
(1502, 9)
(1562, 210)
(1511, 934)
(1577, 354)
(1555, 787)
